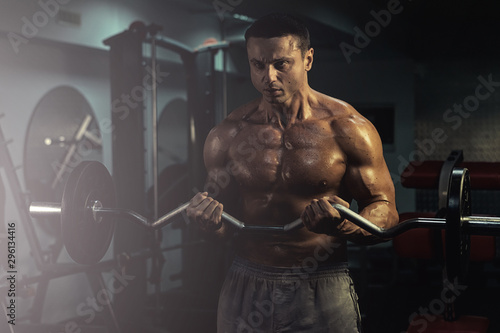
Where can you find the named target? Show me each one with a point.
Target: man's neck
(296, 108)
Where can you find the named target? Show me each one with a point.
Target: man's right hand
(206, 212)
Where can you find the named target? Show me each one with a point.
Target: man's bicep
(367, 178)
(367, 175)
(370, 183)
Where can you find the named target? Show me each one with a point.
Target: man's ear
(308, 59)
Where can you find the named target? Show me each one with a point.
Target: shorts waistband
(308, 269)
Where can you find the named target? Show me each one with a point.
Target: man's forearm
(380, 213)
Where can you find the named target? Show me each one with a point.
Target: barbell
(88, 218)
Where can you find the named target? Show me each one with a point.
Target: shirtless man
(289, 154)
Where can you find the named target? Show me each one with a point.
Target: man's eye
(259, 65)
(280, 64)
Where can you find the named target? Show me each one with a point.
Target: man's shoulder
(351, 129)
(239, 116)
(345, 121)
(244, 112)
(233, 123)
(337, 110)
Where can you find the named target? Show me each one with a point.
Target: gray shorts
(256, 299)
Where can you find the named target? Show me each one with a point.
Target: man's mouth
(272, 91)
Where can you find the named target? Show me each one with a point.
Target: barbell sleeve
(52, 209)
(489, 219)
(47, 209)
(482, 225)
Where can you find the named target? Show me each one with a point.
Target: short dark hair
(279, 25)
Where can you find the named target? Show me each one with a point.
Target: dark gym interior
(138, 85)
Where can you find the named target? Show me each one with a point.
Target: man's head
(280, 25)
(280, 56)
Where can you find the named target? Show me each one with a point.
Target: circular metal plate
(86, 240)
(457, 240)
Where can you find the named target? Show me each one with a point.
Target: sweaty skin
(288, 155)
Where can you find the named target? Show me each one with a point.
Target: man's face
(277, 67)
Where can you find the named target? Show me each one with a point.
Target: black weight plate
(457, 240)
(85, 240)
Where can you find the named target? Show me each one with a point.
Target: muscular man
(289, 154)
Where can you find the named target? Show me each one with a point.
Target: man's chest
(303, 157)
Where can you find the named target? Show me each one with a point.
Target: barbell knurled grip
(233, 220)
(297, 224)
(164, 220)
(360, 221)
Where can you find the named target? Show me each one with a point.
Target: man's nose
(270, 74)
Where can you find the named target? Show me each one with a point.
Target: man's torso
(279, 169)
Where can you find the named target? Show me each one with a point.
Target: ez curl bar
(88, 218)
